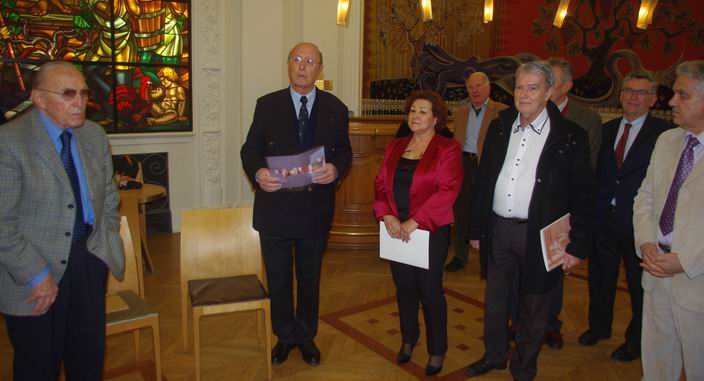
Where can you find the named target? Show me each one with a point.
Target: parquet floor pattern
(358, 333)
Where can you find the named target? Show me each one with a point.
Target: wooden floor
(358, 333)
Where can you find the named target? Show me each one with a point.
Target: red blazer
(434, 187)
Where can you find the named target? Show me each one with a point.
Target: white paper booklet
(414, 252)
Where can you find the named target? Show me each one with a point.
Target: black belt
(513, 220)
(470, 154)
(665, 248)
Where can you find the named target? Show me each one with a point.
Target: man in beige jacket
(471, 123)
(667, 220)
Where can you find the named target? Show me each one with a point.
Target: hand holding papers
(415, 252)
(294, 171)
(554, 239)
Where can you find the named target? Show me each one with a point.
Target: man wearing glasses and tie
(623, 159)
(59, 231)
(287, 122)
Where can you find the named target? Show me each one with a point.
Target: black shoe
(432, 369)
(481, 366)
(625, 353)
(403, 356)
(280, 353)
(553, 339)
(454, 265)
(590, 337)
(310, 353)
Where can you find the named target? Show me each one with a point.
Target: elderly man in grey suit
(667, 218)
(471, 123)
(591, 122)
(59, 231)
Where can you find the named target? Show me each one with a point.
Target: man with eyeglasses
(623, 160)
(534, 169)
(59, 231)
(293, 224)
(667, 217)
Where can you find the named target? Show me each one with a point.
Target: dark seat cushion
(225, 290)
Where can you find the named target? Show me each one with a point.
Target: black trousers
(416, 285)
(461, 209)
(72, 330)
(614, 242)
(508, 254)
(279, 254)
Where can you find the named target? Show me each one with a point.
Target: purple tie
(667, 218)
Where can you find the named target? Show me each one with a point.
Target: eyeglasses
(70, 94)
(299, 60)
(638, 93)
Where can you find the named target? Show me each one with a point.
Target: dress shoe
(482, 366)
(431, 369)
(625, 353)
(403, 356)
(454, 265)
(310, 353)
(590, 338)
(553, 339)
(280, 352)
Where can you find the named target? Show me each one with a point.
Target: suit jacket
(687, 287)
(435, 185)
(589, 120)
(36, 219)
(622, 184)
(564, 184)
(461, 116)
(299, 214)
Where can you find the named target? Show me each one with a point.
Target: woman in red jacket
(415, 188)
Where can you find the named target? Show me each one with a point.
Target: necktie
(667, 218)
(621, 146)
(302, 119)
(79, 226)
(477, 111)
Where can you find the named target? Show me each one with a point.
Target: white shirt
(636, 126)
(514, 187)
(698, 153)
(562, 105)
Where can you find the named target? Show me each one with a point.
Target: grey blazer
(35, 217)
(589, 120)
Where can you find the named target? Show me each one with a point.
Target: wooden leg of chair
(135, 335)
(261, 322)
(196, 340)
(184, 316)
(157, 348)
(267, 335)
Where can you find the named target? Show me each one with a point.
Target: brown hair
(438, 106)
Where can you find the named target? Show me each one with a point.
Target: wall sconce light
(645, 14)
(342, 8)
(488, 11)
(427, 8)
(561, 13)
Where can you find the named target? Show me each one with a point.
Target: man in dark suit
(591, 122)
(471, 124)
(287, 122)
(59, 231)
(623, 161)
(534, 169)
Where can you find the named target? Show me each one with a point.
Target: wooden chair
(221, 271)
(126, 310)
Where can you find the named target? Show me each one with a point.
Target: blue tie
(302, 119)
(79, 226)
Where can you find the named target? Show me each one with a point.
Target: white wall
(239, 49)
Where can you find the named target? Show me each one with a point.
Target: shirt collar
(562, 105)
(53, 130)
(537, 125)
(297, 97)
(637, 122)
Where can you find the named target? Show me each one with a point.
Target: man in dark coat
(287, 122)
(535, 169)
(623, 161)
